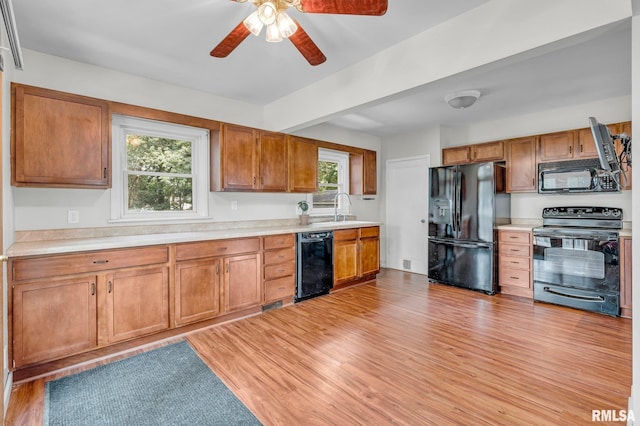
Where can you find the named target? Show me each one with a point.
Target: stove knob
(616, 213)
(554, 212)
(606, 212)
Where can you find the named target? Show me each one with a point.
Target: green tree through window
(159, 173)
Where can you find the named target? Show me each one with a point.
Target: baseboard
(7, 392)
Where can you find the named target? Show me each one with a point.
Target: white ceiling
(170, 40)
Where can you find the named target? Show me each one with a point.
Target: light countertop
(35, 247)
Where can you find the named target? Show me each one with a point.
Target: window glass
(160, 170)
(333, 173)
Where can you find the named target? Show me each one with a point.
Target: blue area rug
(167, 386)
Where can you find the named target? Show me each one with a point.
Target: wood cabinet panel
(279, 288)
(53, 319)
(197, 292)
(345, 261)
(59, 139)
(303, 165)
(199, 250)
(279, 241)
(242, 282)
(137, 303)
(557, 146)
(522, 170)
(279, 256)
(515, 262)
(238, 158)
(369, 256)
(279, 273)
(345, 234)
(279, 270)
(69, 264)
(490, 151)
(363, 172)
(272, 157)
(456, 155)
(356, 254)
(626, 278)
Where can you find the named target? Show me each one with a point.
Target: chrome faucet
(335, 206)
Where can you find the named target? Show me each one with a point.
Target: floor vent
(272, 306)
(406, 264)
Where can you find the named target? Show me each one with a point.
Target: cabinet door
(303, 165)
(370, 173)
(53, 319)
(242, 283)
(626, 262)
(345, 261)
(521, 165)
(137, 303)
(369, 256)
(59, 139)
(273, 162)
(197, 290)
(238, 158)
(586, 144)
(625, 183)
(557, 146)
(363, 173)
(456, 155)
(491, 151)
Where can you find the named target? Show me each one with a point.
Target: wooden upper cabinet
(521, 165)
(272, 158)
(558, 146)
(59, 139)
(246, 159)
(303, 164)
(363, 170)
(478, 153)
(490, 151)
(456, 155)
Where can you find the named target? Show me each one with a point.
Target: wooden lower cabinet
(356, 254)
(515, 263)
(279, 260)
(242, 284)
(626, 263)
(197, 290)
(137, 303)
(52, 319)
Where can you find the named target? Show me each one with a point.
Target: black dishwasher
(314, 264)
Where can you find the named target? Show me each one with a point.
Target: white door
(407, 195)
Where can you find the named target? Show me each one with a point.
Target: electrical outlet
(73, 216)
(234, 205)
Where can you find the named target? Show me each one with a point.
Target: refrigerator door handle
(458, 196)
(460, 244)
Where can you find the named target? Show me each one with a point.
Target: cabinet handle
(93, 289)
(227, 268)
(109, 287)
(101, 262)
(513, 237)
(218, 269)
(581, 148)
(569, 149)
(222, 248)
(104, 173)
(514, 278)
(254, 181)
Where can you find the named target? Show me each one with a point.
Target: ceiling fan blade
(307, 47)
(231, 41)
(345, 7)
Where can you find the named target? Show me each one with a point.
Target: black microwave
(568, 177)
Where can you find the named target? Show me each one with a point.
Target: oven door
(580, 259)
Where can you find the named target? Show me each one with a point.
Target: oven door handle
(598, 237)
(574, 296)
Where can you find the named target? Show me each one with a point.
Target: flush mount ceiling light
(462, 99)
(271, 13)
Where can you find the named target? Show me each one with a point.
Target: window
(333, 177)
(160, 170)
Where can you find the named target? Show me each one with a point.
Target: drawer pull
(109, 287)
(514, 262)
(280, 256)
(93, 289)
(514, 278)
(101, 262)
(222, 248)
(513, 237)
(280, 270)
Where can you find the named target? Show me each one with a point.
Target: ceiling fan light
(286, 25)
(253, 23)
(273, 33)
(267, 13)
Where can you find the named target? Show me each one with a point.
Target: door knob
(422, 221)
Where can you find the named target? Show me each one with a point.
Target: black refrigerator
(466, 204)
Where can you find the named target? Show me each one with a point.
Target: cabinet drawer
(515, 237)
(279, 241)
(371, 231)
(515, 262)
(49, 266)
(216, 248)
(515, 277)
(279, 270)
(515, 250)
(279, 256)
(345, 234)
(279, 289)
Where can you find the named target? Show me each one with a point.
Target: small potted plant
(303, 205)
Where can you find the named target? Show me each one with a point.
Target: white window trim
(121, 125)
(342, 158)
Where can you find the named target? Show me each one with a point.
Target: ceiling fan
(272, 14)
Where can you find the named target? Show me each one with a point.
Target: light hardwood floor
(402, 351)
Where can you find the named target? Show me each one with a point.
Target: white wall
(39, 208)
